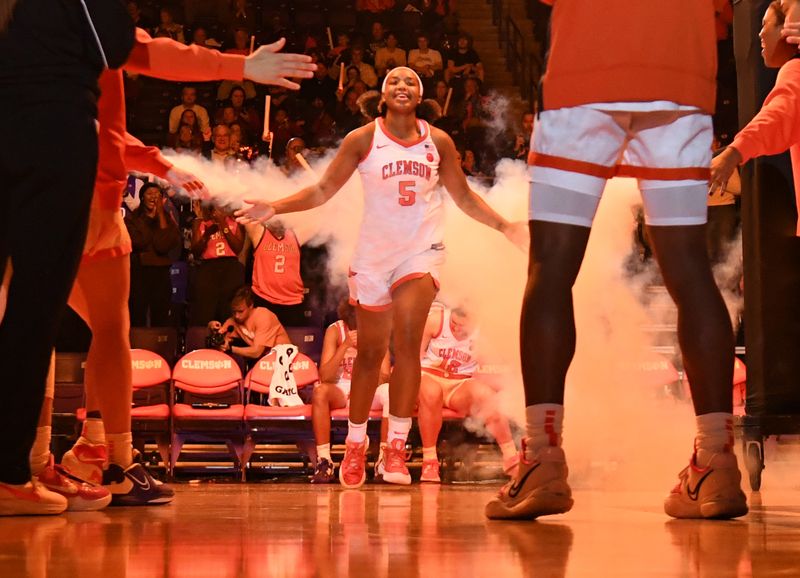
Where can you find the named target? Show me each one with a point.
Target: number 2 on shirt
(408, 196)
(280, 263)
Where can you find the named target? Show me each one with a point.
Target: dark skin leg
(547, 326)
(705, 333)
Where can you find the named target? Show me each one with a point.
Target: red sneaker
(352, 470)
(430, 472)
(86, 461)
(395, 470)
(81, 497)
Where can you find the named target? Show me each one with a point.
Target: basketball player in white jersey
(449, 365)
(394, 272)
(339, 350)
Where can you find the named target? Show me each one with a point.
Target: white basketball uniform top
(403, 210)
(450, 357)
(346, 364)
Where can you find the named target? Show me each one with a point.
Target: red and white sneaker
(31, 499)
(86, 461)
(352, 470)
(81, 497)
(714, 491)
(540, 488)
(395, 470)
(430, 472)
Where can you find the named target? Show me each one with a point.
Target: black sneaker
(323, 472)
(135, 486)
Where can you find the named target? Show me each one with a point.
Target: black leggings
(47, 164)
(151, 292)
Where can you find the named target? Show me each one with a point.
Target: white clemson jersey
(449, 357)
(346, 364)
(403, 209)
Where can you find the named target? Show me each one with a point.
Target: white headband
(411, 70)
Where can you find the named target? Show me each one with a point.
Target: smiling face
(774, 50)
(402, 89)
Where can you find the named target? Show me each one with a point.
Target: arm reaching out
(269, 66)
(353, 148)
(469, 201)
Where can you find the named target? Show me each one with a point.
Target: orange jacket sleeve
(170, 60)
(145, 159)
(776, 126)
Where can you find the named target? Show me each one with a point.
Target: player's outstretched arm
(354, 146)
(469, 201)
(268, 65)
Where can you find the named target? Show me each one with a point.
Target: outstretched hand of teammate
(187, 183)
(254, 211)
(268, 66)
(519, 234)
(722, 167)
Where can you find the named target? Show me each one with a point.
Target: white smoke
(620, 426)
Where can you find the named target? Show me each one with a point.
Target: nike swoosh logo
(515, 488)
(381, 146)
(694, 494)
(145, 485)
(28, 496)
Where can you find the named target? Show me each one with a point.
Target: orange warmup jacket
(631, 51)
(776, 127)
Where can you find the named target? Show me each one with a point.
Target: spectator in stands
(217, 240)
(320, 86)
(348, 116)
(239, 15)
(245, 114)
(472, 110)
(241, 45)
(377, 41)
(469, 165)
(440, 95)
(277, 284)
(188, 102)
(154, 234)
(139, 19)
(320, 124)
(187, 139)
(221, 139)
(426, 62)
(339, 350)
(238, 136)
(342, 49)
(284, 128)
(463, 62)
(522, 144)
(352, 78)
(371, 10)
(250, 331)
(366, 71)
(390, 56)
(167, 27)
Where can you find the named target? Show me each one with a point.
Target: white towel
(283, 387)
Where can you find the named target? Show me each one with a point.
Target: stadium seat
(150, 415)
(272, 423)
(308, 340)
(211, 409)
(69, 392)
(160, 340)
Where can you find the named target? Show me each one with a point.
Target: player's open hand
(518, 234)
(268, 66)
(254, 211)
(187, 183)
(722, 167)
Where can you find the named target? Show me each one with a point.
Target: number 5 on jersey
(408, 196)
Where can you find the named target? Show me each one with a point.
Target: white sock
(40, 452)
(714, 434)
(324, 452)
(93, 432)
(398, 429)
(543, 425)
(508, 449)
(356, 432)
(120, 449)
(429, 454)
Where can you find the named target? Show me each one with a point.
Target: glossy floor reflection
(294, 530)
